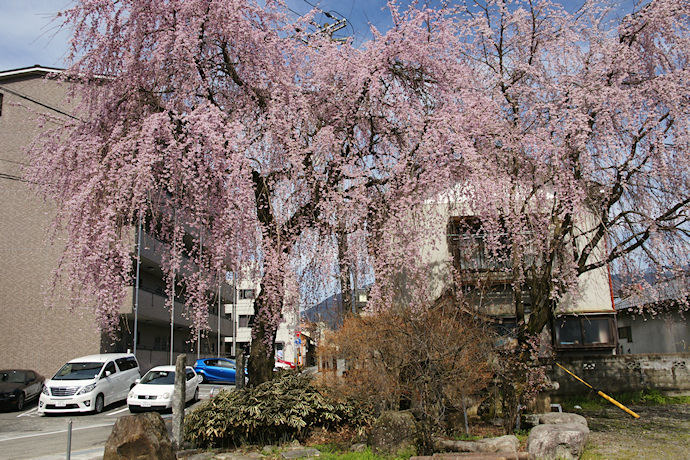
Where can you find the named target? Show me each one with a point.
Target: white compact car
(155, 390)
(90, 383)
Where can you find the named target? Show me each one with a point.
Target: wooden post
(179, 400)
(239, 371)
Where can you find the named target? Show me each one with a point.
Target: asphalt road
(28, 435)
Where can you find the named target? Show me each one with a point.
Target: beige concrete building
(584, 323)
(31, 335)
(37, 337)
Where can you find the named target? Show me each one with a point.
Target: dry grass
(661, 432)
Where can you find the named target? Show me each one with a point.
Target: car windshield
(159, 378)
(13, 376)
(78, 371)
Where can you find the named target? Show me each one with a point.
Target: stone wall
(668, 373)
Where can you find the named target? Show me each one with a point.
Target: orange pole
(602, 394)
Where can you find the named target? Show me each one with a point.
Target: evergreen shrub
(280, 410)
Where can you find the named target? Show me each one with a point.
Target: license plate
(60, 403)
(146, 404)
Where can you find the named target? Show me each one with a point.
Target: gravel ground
(661, 433)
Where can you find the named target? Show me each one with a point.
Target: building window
(584, 331)
(246, 294)
(625, 332)
(469, 245)
(246, 320)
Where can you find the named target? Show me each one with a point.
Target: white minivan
(90, 383)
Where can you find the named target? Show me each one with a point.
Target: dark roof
(329, 310)
(672, 289)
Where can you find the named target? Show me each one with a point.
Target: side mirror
(107, 373)
(137, 381)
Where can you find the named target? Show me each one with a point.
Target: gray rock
(531, 420)
(139, 436)
(560, 441)
(555, 418)
(301, 453)
(359, 447)
(237, 456)
(501, 444)
(393, 431)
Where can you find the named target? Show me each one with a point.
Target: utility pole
(328, 29)
(136, 289)
(219, 306)
(172, 316)
(234, 313)
(198, 332)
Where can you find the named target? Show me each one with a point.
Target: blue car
(216, 370)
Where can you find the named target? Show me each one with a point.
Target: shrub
(285, 408)
(430, 361)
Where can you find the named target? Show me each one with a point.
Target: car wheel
(20, 401)
(203, 378)
(133, 409)
(196, 395)
(98, 406)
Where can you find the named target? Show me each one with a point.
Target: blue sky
(28, 36)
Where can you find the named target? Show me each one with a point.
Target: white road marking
(118, 411)
(29, 413)
(47, 433)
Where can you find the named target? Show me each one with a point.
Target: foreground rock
(393, 432)
(502, 444)
(558, 418)
(139, 436)
(557, 441)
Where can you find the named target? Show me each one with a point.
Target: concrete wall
(666, 372)
(663, 332)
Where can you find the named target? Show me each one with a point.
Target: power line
(327, 14)
(15, 162)
(30, 99)
(12, 177)
(328, 29)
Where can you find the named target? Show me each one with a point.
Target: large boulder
(557, 418)
(140, 436)
(508, 444)
(392, 432)
(562, 441)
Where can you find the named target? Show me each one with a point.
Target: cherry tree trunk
(261, 354)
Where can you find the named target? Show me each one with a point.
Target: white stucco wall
(594, 291)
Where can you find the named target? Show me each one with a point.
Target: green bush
(283, 409)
